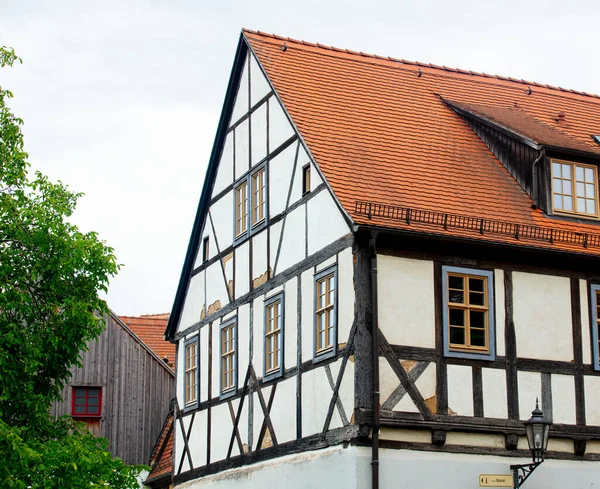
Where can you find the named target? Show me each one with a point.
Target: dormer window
(574, 188)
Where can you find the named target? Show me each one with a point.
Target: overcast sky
(121, 98)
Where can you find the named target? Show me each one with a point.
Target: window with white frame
(325, 329)
(274, 331)
(468, 313)
(190, 389)
(229, 356)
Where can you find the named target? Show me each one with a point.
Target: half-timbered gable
(390, 263)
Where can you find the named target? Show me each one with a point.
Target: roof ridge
(423, 65)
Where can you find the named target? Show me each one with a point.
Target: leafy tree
(50, 275)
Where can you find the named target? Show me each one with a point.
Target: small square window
(191, 372)
(305, 179)
(205, 250)
(325, 329)
(86, 402)
(274, 339)
(228, 357)
(468, 313)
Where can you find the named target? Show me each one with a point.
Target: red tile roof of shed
(380, 131)
(150, 328)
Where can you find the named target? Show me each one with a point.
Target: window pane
(80, 401)
(455, 282)
(478, 337)
(580, 205)
(457, 317)
(557, 185)
(567, 190)
(93, 401)
(568, 204)
(79, 392)
(456, 297)
(457, 336)
(580, 189)
(558, 202)
(476, 299)
(589, 190)
(556, 169)
(93, 410)
(476, 284)
(477, 319)
(579, 173)
(589, 175)
(566, 172)
(591, 206)
(79, 409)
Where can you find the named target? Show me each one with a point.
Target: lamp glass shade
(537, 430)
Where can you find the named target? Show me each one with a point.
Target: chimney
(561, 118)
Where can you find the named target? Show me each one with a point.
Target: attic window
(574, 188)
(596, 138)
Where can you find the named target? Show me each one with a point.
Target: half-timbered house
(390, 262)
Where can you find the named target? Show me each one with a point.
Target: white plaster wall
(460, 390)
(495, 404)
(316, 395)
(212, 247)
(303, 159)
(315, 178)
(585, 322)
(179, 375)
(225, 172)
(242, 97)
(280, 175)
(258, 125)
(326, 263)
(592, 394)
(334, 468)
(194, 301)
(406, 300)
(346, 392)
(198, 437)
(275, 230)
(259, 254)
(542, 315)
(243, 351)
(222, 427)
(346, 296)
(325, 222)
(563, 399)
(280, 129)
(242, 269)
(308, 307)
(500, 318)
(258, 311)
(426, 383)
(530, 389)
(203, 363)
(222, 218)
(347, 382)
(283, 412)
(216, 290)
(259, 86)
(291, 324)
(292, 247)
(178, 447)
(242, 149)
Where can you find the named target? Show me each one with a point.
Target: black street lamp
(536, 429)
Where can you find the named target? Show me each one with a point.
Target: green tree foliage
(50, 276)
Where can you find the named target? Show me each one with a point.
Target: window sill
(231, 392)
(489, 356)
(324, 355)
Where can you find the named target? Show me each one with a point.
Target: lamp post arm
(522, 472)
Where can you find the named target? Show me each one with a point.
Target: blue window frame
(228, 361)
(274, 338)
(595, 324)
(250, 203)
(191, 367)
(325, 314)
(468, 313)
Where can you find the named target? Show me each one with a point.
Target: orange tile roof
(161, 460)
(150, 328)
(380, 131)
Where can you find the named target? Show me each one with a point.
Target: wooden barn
(122, 391)
(390, 262)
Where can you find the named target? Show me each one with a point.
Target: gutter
(375, 355)
(534, 177)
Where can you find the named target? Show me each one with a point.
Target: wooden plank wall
(137, 389)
